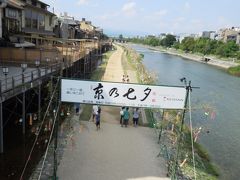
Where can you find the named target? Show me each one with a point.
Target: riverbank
(224, 64)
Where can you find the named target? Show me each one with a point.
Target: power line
(49, 141)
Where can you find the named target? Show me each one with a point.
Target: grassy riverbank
(234, 71)
(231, 66)
(167, 123)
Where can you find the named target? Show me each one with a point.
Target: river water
(216, 105)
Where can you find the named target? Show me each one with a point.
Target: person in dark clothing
(126, 116)
(98, 121)
(99, 109)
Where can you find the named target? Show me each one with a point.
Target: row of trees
(168, 41)
(204, 46)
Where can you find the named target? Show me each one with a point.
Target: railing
(10, 83)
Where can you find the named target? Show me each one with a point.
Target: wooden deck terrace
(61, 51)
(69, 50)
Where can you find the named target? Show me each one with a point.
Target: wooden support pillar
(1, 125)
(39, 100)
(24, 111)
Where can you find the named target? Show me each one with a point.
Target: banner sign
(122, 94)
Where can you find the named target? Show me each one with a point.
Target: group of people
(125, 79)
(125, 116)
(96, 111)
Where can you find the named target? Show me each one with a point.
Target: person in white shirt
(94, 111)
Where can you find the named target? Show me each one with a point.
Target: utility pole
(188, 89)
(56, 115)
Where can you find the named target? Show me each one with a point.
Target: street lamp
(56, 60)
(5, 72)
(47, 60)
(24, 67)
(37, 63)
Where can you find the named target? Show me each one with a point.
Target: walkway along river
(216, 104)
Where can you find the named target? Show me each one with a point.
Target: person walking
(99, 109)
(94, 111)
(121, 115)
(127, 79)
(98, 121)
(123, 79)
(136, 113)
(126, 116)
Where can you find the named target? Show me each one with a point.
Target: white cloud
(161, 13)
(82, 2)
(178, 23)
(129, 9)
(187, 6)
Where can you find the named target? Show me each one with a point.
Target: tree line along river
(216, 105)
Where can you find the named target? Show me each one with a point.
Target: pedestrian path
(113, 152)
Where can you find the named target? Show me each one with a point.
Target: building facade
(37, 20)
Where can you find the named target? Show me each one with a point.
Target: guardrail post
(5, 83)
(1, 125)
(39, 72)
(31, 76)
(13, 83)
(22, 78)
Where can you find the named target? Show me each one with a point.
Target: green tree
(168, 41)
(188, 44)
(120, 37)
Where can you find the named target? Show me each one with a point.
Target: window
(50, 21)
(28, 14)
(11, 13)
(41, 21)
(34, 20)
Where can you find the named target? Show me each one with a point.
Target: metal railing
(10, 83)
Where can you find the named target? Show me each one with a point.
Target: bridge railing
(12, 82)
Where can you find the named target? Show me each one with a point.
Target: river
(218, 96)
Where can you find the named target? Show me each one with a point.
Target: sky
(145, 17)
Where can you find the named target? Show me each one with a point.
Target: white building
(207, 34)
(213, 35)
(182, 36)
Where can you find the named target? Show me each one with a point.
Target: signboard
(122, 94)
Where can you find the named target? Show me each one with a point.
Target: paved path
(114, 152)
